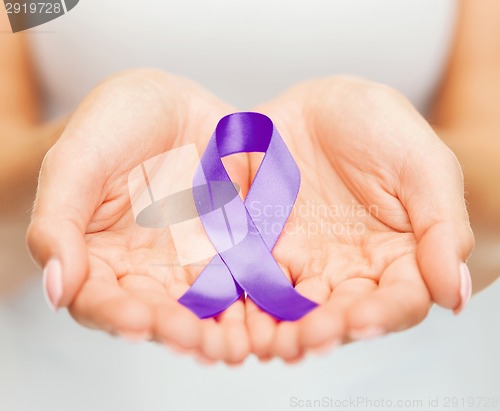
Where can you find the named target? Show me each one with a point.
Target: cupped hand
(380, 228)
(111, 273)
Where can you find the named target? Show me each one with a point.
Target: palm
(139, 260)
(135, 277)
(348, 244)
(368, 209)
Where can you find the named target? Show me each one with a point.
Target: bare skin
(114, 271)
(119, 287)
(406, 253)
(465, 115)
(25, 140)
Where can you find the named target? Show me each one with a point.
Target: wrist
(23, 149)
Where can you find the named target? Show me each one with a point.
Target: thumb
(66, 199)
(432, 191)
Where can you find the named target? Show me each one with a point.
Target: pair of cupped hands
(356, 143)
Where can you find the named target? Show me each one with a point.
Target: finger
(175, 325)
(232, 321)
(68, 191)
(400, 301)
(286, 338)
(286, 342)
(202, 360)
(103, 304)
(213, 340)
(326, 325)
(261, 329)
(95, 144)
(432, 190)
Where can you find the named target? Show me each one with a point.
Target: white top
(245, 52)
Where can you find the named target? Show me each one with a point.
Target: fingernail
(326, 347)
(52, 283)
(368, 333)
(177, 349)
(235, 364)
(136, 336)
(295, 360)
(465, 288)
(204, 360)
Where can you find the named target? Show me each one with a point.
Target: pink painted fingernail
(368, 333)
(52, 283)
(465, 288)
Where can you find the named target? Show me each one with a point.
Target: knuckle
(35, 237)
(421, 308)
(365, 89)
(48, 158)
(469, 239)
(451, 159)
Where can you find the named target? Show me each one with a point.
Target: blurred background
(247, 53)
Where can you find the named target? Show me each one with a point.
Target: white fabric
(246, 52)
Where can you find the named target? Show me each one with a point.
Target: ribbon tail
(212, 292)
(264, 281)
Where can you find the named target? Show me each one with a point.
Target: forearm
(467, 117)
(470, 92)
(478, 150)
(467, 108)
(23, 149)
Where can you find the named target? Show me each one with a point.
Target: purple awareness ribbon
(237, 229)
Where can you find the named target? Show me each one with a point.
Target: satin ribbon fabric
(244, 232)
